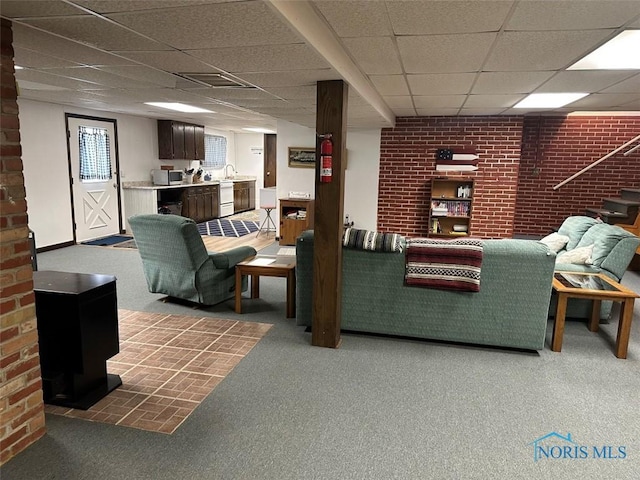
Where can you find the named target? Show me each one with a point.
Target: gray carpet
(377, 408)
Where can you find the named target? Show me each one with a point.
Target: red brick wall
(21, 406)
(407, 165)
(553, 149)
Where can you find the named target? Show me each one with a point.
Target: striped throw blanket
(444, 264)
(370, 240)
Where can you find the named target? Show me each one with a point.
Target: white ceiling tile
(440, 84)
(598, 100)
(525, 51)
(439, 101)
(481, 111)
(22, 9)
(47, 44)
(220, 24)
(29, 58)
(390, 84)
(56, 80)
(99, 77)
(571, 14)
(97, 32)
(143, 73)
(631, 85)
(112, 6)
(368, 53)
(290, 79)
(356, 18)
(436, 112)
(444, 53)
(509, 82)
(485, 101)
(401, 101)
(231, 94)
(588, 81)
(308, 93)
(262, 58)
(446, 16)
(404, 112)
(172, 61)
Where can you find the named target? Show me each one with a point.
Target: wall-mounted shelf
(450, 208)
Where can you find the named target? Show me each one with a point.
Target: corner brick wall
(21, 405)
(407, 165)
(553, 149)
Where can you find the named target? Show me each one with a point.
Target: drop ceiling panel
(111, 6)
(22, 9)
(56, 80)
(509, 82)
(439, 101)
(440, 84)
(631, 85)
(308, 93)
(97, 32)
(390, 84)
(402, 101)
(221, 24)
(444, 53)
(523, 51)
(488, 101)
(589, 81)
(55, 46)
(436, 112)
(25, 57)
(368, 53)
(481, 111)
(142, 73)
(445, 16)
(262, 58)
(290, 79)
(356, 18)
(570, 15)
(173, 61)
(404, 112)
(231, 94)
(99, 77)
(602, 100)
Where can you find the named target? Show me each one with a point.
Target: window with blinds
(215, 151)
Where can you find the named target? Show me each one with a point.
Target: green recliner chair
(176, 262)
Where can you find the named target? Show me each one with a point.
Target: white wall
(250, 158)
(361, 176)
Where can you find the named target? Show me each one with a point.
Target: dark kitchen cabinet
(244, 195)
(180, 141)
(201, 203)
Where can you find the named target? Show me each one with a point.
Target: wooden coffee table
(268, 266)
(596, 287)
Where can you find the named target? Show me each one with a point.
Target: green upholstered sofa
(176, 262)
(613, 250)
(510, 310)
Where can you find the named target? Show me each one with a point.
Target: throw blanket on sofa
(370, 240)
(444, 264)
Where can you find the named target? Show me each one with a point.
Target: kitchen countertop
(150, 186)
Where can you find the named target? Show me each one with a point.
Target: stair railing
(600, 160)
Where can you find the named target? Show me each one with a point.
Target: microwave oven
(167, 177)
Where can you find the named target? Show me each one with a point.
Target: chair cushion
(574, 228)
(604, 238)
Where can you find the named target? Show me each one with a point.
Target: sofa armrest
(230, 258)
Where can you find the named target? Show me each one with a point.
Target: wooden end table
(268, 266)
(596, 287)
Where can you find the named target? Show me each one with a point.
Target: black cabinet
(180, 141)
(77, 332)
(244, 196)
(201, 203)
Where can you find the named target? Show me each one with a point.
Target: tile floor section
(168, 365)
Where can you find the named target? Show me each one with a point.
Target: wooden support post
(331, 117)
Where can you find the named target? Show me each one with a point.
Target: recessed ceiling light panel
(620, 53)
(258, 130)
(179, 107)
(549, 100)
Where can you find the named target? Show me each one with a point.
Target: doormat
(168, 363)
(106, 241)
(228, 228)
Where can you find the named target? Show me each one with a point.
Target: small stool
(268, 221)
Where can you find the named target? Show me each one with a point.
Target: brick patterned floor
(168, 365)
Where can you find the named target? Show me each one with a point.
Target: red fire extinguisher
(326, 158)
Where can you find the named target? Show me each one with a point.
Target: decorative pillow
(371, 240)
(555, 241)
(578, 256)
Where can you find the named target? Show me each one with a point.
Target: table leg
(624, 328)
(255, 286)
(291, 294)
(558, 324)
(238, 290)
(594, 323)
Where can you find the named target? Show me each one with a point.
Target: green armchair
(176, 262)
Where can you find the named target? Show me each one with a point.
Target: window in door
(95, 158)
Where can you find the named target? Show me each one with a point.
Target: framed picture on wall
(304, 157)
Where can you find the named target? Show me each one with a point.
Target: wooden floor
(221, 244)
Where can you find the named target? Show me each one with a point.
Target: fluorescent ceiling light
(180, 107)
(619, 53)
(258, 130)
(549, 100)
(17, 67)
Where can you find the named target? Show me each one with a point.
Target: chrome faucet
(226, 175)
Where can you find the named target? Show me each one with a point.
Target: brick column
(21, 406)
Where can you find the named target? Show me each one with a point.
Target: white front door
(95, 186)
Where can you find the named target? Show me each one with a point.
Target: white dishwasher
(226, 198)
